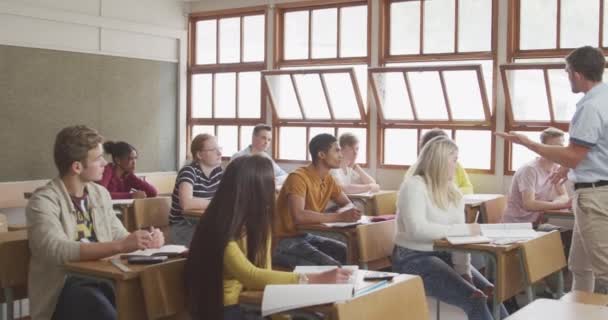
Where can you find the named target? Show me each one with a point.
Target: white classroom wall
(390, 179)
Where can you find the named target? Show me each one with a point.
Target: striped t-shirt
(202, 186)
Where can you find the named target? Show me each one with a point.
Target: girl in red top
(119, 177)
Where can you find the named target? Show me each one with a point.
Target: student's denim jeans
(85, 299)
(309, 249)
(235, 312)
(443, 282)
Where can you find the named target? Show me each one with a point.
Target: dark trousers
(85, 299)
(309, 249)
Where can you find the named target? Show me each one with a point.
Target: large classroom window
(322, 53)
(439, 59)
(227, 55)
(537, 90)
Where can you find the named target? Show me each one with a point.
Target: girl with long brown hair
(231, 246)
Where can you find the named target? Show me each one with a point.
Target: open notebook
(168, 250)
(279, 298)
(499, 233)
(362, 220)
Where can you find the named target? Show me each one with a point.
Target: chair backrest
(164, 290)
(543, 256)
(152, 212)
(14, 262)
(376, 242)
(492, 210)
(385, 203)
(3, 223)
(400, 301)
(164, 183)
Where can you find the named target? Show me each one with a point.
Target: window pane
(206, 42)
(538, 21)
(225, 95)
(324, 33)
(428, 95)
(439, 26)
(295, 35)
(528, 95)
(521, 155)
(227, 138)
(342, 95)
(564, 101)
(230, 40)
(201, 95)
(361, 134)
(312, 96)
(246, 133)
(292, 144)
(474, 148)
(487, 69)
(464, 95)
(249, 95)
(474, 25)
(392, 93)
(284, 97)
(196, 130)
(253, 38)
(353, 31)
(400, 146)
(405, 27)
(361, 76)
(580, 23)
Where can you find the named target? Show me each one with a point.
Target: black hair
(118, 150)
(320, 143)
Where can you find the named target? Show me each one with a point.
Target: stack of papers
(362, 220)
(168, 250)
(279, 298)
(498, 233)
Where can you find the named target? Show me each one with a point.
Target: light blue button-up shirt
(589, 128)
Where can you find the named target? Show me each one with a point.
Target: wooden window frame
(309, 6)
(279, 62)
(513, 35)
(419, 125)
(213, 69)
(384, 45)
(385, 58)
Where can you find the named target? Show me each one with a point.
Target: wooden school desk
(504, 263)
(560, 310)
(130, 303)
(473, 204)
(127, 216)
(414, 300)
(378, 203)
(193, 214)
(586, 298)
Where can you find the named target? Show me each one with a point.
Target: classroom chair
(492, 210)
(385, 203)
(14, 266)
(400, 301)
(376, 244)
(164, 290)
(542, 257)
(152, 212)
(583, 297)
(164, 183)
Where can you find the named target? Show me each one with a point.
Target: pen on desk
(121, 266)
